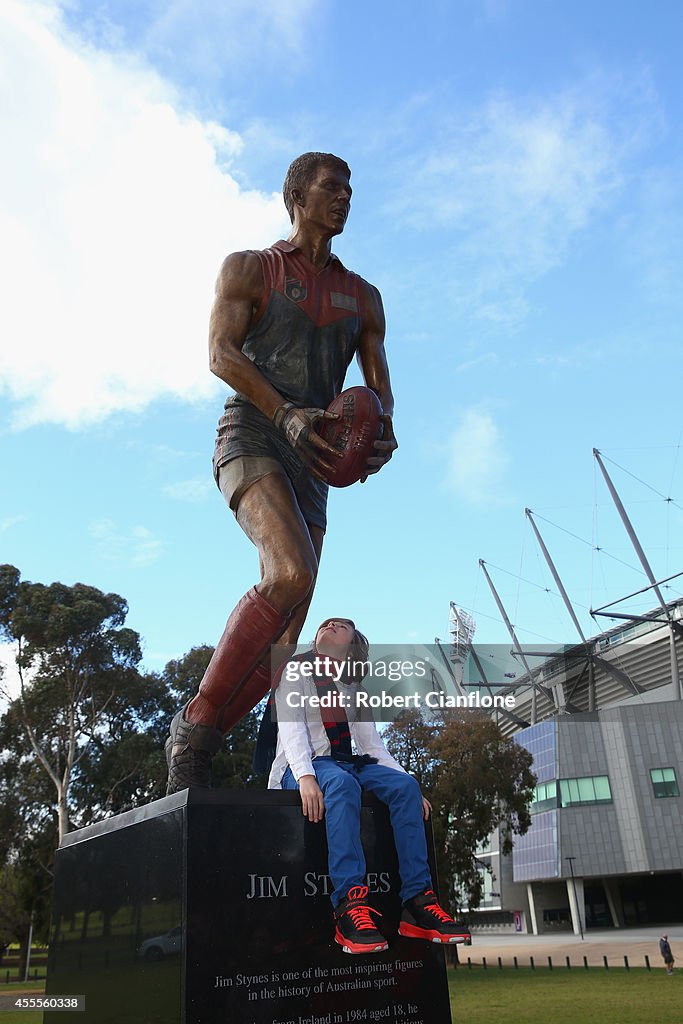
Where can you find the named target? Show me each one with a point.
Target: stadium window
(602, 790)
(664, 782)
(545, 797)
(592, 789)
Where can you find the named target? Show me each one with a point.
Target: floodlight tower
(673, 625)
(461, 629)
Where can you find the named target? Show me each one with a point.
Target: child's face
(334, 638)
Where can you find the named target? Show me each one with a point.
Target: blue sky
(518, 199)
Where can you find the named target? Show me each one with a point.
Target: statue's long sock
(255, 688)
(235, 680)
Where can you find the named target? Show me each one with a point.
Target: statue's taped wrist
(280, 413)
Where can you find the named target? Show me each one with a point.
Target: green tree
(409, 738)
(24, 907)
(82, 737)
(478, 781)
(28, 836)
(79, 685)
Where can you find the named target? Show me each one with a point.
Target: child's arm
(312, 803)
(291, 724)
(296, 743)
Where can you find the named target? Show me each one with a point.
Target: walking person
(667, 955)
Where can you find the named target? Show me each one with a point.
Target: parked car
(162, 945)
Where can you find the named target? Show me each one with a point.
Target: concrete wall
(550, 896)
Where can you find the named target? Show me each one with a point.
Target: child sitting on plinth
(315, 755)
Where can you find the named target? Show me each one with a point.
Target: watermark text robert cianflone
(400, 701)
(340, 672)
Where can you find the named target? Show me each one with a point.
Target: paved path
(614, 943)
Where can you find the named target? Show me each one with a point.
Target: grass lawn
(527, 997)
(596, 996)
(21, 1016)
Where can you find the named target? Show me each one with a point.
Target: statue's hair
(302, 171)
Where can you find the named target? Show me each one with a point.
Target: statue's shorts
(248, 448)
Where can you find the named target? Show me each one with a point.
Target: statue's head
(303, 171)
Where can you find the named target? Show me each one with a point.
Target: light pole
(30, 943)
(576, 900)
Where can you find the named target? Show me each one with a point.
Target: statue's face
(334, 638)
(326, 200)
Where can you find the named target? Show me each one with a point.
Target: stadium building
(604, 722)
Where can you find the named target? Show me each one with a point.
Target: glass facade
(593, 789)
(545, 797)
(536, 854)
(540, 740)
(664, 782)
(487, 897)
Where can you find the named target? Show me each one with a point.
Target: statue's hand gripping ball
(354, 433)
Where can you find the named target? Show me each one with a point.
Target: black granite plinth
(213, 906)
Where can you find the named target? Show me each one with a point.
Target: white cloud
(203, 41)
(511, 185)
(135, 547)
(9, 521)
(116, 210)
(477, 459)
(212, 38)
(195, 490)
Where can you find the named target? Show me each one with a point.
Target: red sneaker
(356, 931)
(423, 918)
